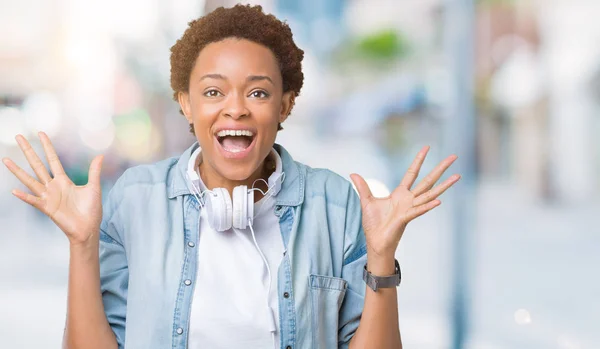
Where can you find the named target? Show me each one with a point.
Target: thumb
(362, 187)
(95, 169)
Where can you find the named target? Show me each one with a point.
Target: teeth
(224, 133)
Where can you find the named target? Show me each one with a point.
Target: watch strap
(375, 282)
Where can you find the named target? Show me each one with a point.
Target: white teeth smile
(224, 133)
(235, 141)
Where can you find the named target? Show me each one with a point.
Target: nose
(235, 107)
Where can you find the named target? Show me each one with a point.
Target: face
(235, 102)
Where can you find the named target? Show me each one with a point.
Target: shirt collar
(292, 190)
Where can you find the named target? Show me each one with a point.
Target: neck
(212, 179)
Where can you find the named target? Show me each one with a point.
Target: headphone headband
(191, 168)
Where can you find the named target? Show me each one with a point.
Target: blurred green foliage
(387, 45)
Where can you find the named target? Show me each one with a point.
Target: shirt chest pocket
(327, 294)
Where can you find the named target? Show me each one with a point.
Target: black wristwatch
(376, 282)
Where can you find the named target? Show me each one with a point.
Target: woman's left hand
(384, 219)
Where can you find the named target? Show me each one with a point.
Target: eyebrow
(250, 78)
(213, 76)
(260, 78)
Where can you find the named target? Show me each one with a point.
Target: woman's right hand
(76, 210)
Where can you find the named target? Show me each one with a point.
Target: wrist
(84, 247)
(79, 256)
(381, 265)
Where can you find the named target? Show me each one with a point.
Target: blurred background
(513, 87)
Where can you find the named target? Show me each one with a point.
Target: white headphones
(223, 212)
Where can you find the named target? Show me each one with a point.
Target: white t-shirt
(229, 305)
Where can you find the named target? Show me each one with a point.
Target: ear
(184, 103)
(287, 103)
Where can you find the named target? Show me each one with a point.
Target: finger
(36, 187)
(413, 171)
(30, 199)
(95, 169)
(362, 187)
(34, 160)
(429, 181)
(53, 160)
(436, 192)
(421, 210)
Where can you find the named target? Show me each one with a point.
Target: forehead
(236, 59)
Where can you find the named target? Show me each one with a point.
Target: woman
(231, 244)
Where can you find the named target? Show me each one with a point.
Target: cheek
(269, 132)
(204, 115)
(268, 113)
(268, 121)
(205, 110)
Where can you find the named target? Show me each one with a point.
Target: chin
(238, 173)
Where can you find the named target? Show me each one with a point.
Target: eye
(212, 93)
(259, 94)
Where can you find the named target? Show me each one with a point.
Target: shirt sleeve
(355, 257)
(114, 272)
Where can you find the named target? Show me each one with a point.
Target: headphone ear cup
(226, 220)
(250, 208)
(243, 207)
(240, 207)
(219, 209)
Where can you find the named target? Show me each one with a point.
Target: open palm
(384, 219)
(76, 210)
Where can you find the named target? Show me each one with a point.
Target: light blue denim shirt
(148, 258)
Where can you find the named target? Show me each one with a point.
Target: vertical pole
(460, 133)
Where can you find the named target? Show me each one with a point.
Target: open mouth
(235, 141)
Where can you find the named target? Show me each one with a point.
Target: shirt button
(191, 244)
(286, 295)
(187, 282)
(179, 330)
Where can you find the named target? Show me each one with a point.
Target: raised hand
(384, 219)
(76, 210)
